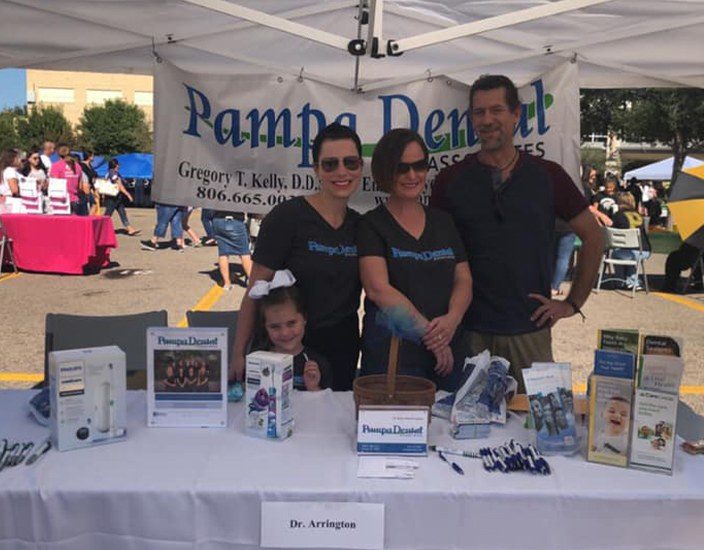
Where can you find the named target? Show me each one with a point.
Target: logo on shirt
(339, 250)
(425, 256)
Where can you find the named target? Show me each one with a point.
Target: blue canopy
(132, 165)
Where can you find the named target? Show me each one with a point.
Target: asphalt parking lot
(167, 279)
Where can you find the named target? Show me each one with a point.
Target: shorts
(231, 236)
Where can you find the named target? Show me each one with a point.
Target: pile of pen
(14, 453)
(510, 457)
(514, 457)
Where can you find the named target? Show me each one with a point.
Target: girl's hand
(440, 332)
(311, 375)
(444, 360)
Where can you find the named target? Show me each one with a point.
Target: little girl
(283, 321)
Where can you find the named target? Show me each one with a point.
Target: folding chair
(128, 332)
(624, 239)
(690, 278)
(215, 319)
(6, 244)
(690, 425)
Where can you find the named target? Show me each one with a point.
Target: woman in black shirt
(314, 237)
(411, 258)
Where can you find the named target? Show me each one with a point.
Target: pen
(457, 452)
(456, 467)
(40, 452)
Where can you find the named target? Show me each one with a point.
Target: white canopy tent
(618, 43)
(661, 170)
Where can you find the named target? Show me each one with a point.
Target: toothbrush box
(269, 384)
(87, 397)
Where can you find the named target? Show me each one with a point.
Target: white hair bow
(282, 278)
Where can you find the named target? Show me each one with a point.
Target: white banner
(243, 143)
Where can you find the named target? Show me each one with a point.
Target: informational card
(322, 525)
(620, 364)
(660, 373)
(654, 344)
(619, 340)
(187, 377)
(609, 420)
(392, 430)
(654, 428)
(549, 389)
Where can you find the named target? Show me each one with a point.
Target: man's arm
(588, 261)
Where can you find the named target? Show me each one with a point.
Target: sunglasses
(331, 164)
(33, 158)
(418, 166)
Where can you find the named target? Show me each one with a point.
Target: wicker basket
(389, 389)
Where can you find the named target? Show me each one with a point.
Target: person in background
(34, 168)
(67, 168)
(186, 214)
(685, 257)
(166, 215)
(92, 197)
(206, 218)
(47, 151)
(233, 240)
(118, 202)
(625, 216)
(9, 177)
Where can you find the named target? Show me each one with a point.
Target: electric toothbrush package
(269, 385)
(87, 397)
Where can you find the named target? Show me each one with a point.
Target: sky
(13, 88)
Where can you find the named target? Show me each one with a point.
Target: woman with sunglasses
(34, 168)
(413, 264)
(314, 237)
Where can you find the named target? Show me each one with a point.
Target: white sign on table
(392, 430)
(322, 525)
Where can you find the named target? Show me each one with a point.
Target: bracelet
(576, 309)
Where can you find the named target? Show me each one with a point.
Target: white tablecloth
(202, 488)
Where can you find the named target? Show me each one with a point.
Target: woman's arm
(246, 323)
(446, 325)
(375, 280)
(14, 186)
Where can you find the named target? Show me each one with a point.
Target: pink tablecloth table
(72, 245)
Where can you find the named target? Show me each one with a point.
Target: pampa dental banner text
(243, 143)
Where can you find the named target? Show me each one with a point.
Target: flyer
(626, 340)
(609, 420)
(653, 344)
(619, 364)
(187, 377)
(549, 389)
(653, 439)
(660, 373)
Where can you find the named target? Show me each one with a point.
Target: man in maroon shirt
(504, 204)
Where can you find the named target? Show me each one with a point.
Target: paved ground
(167, 279)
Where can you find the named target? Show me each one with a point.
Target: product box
(87, 397)
(269, 384)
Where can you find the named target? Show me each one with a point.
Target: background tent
(132, 165)
(661, 170)
(618, 43)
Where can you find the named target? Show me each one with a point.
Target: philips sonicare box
(87, 396)
(269, 384)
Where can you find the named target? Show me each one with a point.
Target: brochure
(549, 389)
(652, 344)
(626, 340)
(653, 440)
(660, 373)
(609, 419)
(187, 377)
(619, 364)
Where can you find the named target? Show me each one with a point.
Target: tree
(9, 139)
(674, 117)
(40, 123)
(113, 128)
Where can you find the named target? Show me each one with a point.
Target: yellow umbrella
(687, 205)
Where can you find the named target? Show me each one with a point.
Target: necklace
(509, 163)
